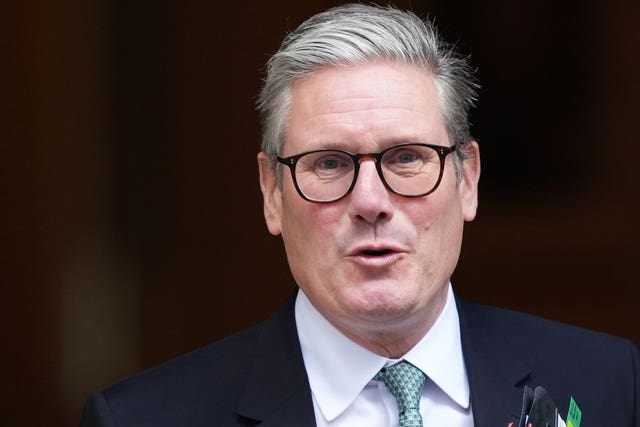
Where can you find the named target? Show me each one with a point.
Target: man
(368, 173)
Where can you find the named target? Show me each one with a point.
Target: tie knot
(405, 382)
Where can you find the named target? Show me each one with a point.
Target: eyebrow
(347, 146)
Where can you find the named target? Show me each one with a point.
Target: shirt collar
(339, 369)
(439, 354)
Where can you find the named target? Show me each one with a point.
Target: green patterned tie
(405, 382)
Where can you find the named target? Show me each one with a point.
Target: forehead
(364, 107)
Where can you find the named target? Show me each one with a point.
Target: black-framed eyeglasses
(410, 170)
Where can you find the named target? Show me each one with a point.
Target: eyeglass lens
(409, 170)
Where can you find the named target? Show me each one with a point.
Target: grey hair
(358, 33)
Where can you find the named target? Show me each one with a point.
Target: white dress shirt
(340, 373)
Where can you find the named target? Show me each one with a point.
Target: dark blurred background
(132, 228)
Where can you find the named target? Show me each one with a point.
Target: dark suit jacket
(257, 377)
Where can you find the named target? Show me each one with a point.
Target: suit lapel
(278, 392)
(496, 373)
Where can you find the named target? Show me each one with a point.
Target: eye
(328, 163)
(404, 156)
(331, 162)
(407, 157)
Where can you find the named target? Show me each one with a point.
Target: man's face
(372, 262)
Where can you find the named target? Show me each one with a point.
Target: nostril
(373, 218)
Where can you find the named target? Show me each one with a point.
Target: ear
(468, 187)
(272, 197)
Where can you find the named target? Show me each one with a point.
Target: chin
(385, 303)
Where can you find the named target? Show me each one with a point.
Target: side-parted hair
(358, 33)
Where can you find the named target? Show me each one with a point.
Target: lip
(365, 254)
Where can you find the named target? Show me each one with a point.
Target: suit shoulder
(598, 370)
(540, 335)
(209, 378)
(202, 387)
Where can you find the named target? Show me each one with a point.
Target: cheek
(307, 225)
(438, 224)
(425, 216)
(309, 234)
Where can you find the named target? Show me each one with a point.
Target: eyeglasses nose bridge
(359, 158)
(362, 157)
(375, 157)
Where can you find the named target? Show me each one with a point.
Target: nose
(370, 201)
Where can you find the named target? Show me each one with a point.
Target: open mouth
(376, 252)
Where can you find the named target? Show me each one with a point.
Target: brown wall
(131, 214)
